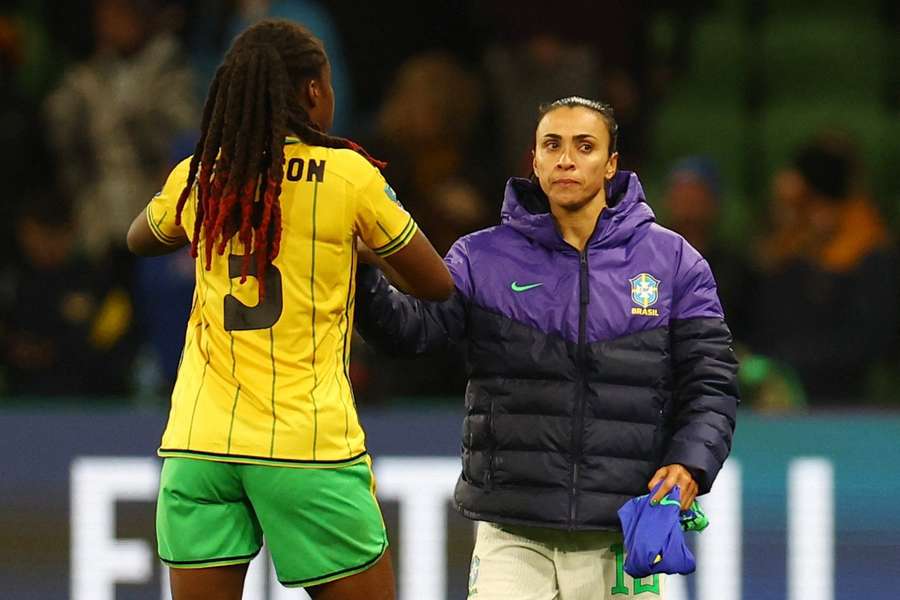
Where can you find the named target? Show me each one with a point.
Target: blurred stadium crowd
(767, 135)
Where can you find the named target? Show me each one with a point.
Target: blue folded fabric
(654, 540)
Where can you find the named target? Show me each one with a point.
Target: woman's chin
(569, 200)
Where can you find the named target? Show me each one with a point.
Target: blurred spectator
(113, 118)
(206, 34)
(317, 18)
(65, 327)
(527, 74)
(693, 207)
(380, 36)
(426, 130)
(25, 44)
(692, 204)
(828, 302)
(594, 49)
(769, 386)
(455, 209)
(163, 289)
(24, 155)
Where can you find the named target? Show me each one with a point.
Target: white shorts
(533, 563)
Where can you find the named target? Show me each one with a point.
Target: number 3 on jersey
(239, 316)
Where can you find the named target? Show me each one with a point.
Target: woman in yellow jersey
(263, 438)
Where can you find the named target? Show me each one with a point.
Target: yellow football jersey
(267, 382)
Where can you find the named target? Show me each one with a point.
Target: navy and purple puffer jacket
(587, 371)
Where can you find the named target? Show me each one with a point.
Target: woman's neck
(577, 225)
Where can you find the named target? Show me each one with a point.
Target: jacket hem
(504, 520)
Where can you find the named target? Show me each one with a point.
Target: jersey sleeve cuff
(157, 232)
(399, 242)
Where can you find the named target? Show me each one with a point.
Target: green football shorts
(319, 524)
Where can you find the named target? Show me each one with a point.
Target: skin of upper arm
(142, 242)
(422, 269)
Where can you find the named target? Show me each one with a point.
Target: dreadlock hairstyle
(238, 164)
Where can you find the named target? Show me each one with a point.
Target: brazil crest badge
(644, 293)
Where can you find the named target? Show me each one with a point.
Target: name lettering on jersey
(315, 169)
(644, 293)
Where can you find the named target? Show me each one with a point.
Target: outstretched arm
(420, 269)
(401, 325)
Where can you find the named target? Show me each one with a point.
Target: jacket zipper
(584, 298)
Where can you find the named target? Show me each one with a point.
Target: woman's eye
(551, 145)
(586, 147)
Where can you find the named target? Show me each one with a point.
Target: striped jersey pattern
(267, 382)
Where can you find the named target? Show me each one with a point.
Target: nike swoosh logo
(523, 288)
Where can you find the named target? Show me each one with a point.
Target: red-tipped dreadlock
(238, 164)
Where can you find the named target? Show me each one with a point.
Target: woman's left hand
(672, 475)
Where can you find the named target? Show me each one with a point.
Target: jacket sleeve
(401, 325)
(705, 378)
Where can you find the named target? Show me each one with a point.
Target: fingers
(671, 480)
(657, 477)
(670, 476)
(688, 496)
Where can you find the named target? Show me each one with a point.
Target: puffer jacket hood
(527, 210)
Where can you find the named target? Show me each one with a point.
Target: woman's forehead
(572, 121)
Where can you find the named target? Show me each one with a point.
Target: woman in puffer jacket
(599, 364)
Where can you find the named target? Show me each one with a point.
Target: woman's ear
(310, 94)
(612, 165)
(313, 92)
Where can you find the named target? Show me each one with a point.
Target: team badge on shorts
(644, 293)
(473, 576)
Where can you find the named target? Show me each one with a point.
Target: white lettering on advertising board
(422, 487)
